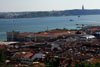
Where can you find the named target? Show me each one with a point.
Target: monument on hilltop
(82, 7)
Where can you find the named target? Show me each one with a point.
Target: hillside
(48, 13)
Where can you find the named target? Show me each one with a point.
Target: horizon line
(45, 10)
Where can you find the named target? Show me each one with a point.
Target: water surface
(40, 24)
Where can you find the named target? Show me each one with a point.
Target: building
(91, 29)
(88, 36)
(12, 36)
(38, 37)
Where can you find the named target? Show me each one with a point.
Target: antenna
(47, 28)
(12, 31)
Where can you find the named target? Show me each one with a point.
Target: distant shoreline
(46, 16)
(75, 12)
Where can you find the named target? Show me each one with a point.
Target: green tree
(82, 64)
(91, 65)
(97, 64)
(2, 57)
(77, 65)
(52, 62)
(69, 63)
(57, 63)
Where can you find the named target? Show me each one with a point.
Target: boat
(78, 16)
(71, 20)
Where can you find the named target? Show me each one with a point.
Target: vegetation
(2, 57)
(83, 64)
(69, 63)
(52, 62)
(65, 29)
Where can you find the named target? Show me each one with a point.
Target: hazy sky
(46, 5)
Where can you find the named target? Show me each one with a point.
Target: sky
(46, 5)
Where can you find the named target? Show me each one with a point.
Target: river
(41, 23)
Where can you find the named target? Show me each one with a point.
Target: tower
(82, 7)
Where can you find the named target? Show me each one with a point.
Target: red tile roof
(27, 55)
(2, 47)
(94, 28)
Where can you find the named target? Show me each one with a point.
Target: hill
(48, 13)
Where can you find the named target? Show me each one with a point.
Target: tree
(69, 63)
(97, 64)
(2, 57)
(91, 65)
(82, 64)
(52, 62)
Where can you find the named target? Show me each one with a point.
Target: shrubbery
(83, 64)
